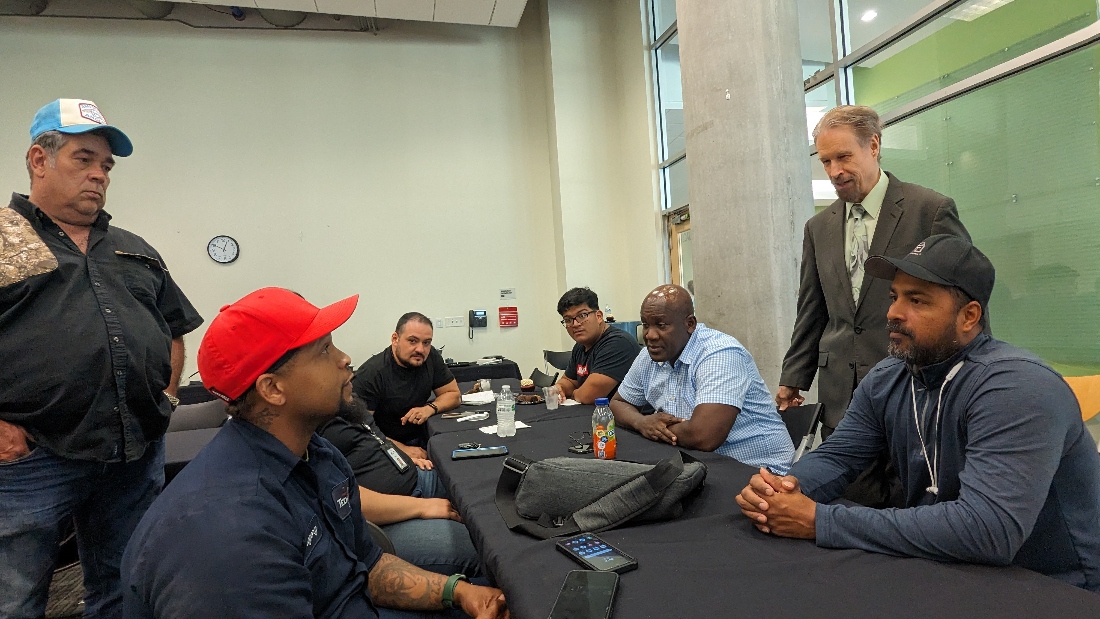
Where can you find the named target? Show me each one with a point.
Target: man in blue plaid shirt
(704, 387)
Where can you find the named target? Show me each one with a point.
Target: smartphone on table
(595, 554)
(586, 594)
(479, 452)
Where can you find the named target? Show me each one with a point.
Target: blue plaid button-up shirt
(715, 368)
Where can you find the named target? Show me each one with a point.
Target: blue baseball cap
(79, 116)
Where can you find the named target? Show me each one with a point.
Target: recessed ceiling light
(869, 15)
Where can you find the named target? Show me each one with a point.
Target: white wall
(412, 167)
(605, 150)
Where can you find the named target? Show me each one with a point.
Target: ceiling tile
(287, 5)
(464, 11)
(420, 10)
(507, 13)
(364, 8)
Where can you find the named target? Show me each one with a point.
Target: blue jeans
(429, 486)
(437, 545)
(39, 494)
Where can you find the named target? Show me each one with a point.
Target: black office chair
(802, 423)
(559, 360)
(197, 416)
(194, 393)
(542, 379)
(380, 539)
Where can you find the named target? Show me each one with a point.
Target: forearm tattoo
(393, 583)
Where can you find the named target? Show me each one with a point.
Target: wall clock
(223, 249)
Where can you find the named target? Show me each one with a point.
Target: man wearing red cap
(90, 359)
(266, 521)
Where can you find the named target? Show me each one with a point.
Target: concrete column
(749, 176)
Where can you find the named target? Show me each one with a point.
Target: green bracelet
(449, 590)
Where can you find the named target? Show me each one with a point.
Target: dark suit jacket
(834, 336)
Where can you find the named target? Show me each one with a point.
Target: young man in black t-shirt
(602, 354)
(396, 383)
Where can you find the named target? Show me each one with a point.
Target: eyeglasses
(578, 319)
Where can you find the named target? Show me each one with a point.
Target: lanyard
(933, 464)
(370, 430)
(390, 450)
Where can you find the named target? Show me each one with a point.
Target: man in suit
(840, 331)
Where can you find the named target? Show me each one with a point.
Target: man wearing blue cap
(92, 348)
(995, 462)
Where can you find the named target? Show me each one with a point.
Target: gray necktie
(859, 246)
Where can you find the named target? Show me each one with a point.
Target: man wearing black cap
(995, 461)
(90, 358)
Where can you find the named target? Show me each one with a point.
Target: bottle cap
(602, 401)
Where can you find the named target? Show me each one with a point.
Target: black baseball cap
(942, 259)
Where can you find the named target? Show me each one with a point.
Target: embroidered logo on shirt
(341, 496)
(23, 254)
(313, 535)
(582, 371)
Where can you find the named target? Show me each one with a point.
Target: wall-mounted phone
(478, 318)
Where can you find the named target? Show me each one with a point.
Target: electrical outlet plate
(456, 321)
(439, 323)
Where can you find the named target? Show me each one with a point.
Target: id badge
(396, 458)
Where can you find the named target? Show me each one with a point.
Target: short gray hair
(861, 119)
(49, 141)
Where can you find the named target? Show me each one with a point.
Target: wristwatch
(173, 400)
(449, 589)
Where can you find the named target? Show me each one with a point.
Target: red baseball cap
(249, 336)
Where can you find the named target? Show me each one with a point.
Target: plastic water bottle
(603, 431)
(506, 412)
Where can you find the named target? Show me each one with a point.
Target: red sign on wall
(509, 316)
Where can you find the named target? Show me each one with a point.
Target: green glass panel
(961, 44)
(1021, 158)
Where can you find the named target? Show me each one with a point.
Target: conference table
(527, 413)
(472, 371)
(711, 562)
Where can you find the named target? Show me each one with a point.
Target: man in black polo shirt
(396, 383)
(92, 352)
(403, 495)
(602, 354)
(266, 521)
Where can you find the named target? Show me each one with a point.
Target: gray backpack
(562, 496)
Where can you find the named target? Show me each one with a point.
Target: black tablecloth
(194, 393)
(527, 413)
(711, 562)
(504, 369)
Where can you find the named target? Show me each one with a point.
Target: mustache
(894, 326)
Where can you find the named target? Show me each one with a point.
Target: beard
(923, 355)
(355, 411)
(849, 194)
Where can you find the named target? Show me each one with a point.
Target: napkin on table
(481, 397)
(493, 428)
